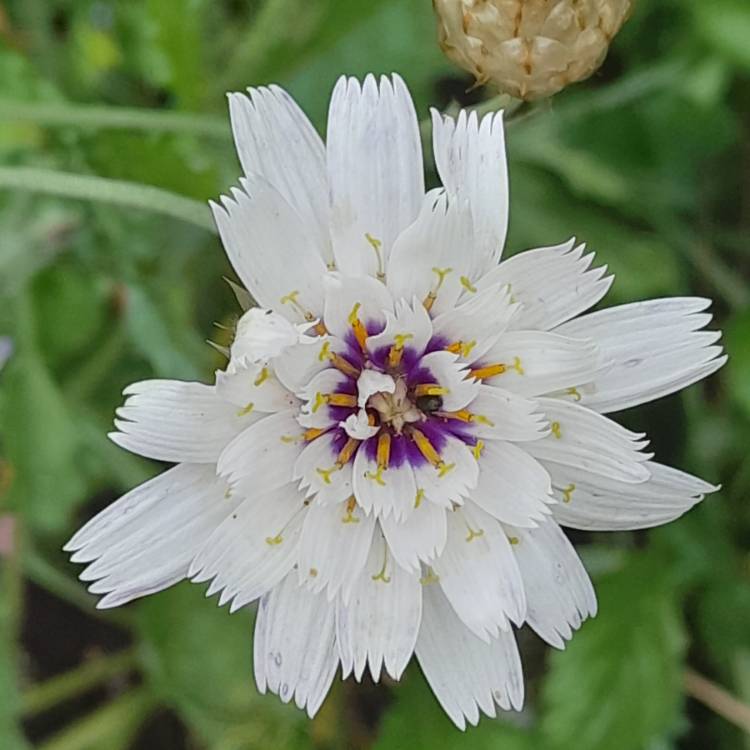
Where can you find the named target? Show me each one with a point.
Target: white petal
(271, 250)
(602, 504)
(559, 593)
(296, 366)
(371, 382)
(391, 490)
(419, 538)
(315, 470)
(314, 412)
(254, 389)
(479, 320)
(169, 420)
(656, 347)
(358, 426)
(538, 362)
(380, 623)
(253, 548)
(334, 547)
(553, 284)
(366, 298)
(374, 169)
(264, 334)
(274, 139)
(294, 652)
(587, 441)
(479, 574)
(470, 158)
(503, 415)
(144, 542)
(410, 321)
(430, 256)
(261, 458)
(451, 374)
(512, 486)
(465, 673)
(455, 480)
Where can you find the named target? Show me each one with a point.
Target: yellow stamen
(425, 447)
(466, 284)
(381, 575)
(346, 453)
(289, 439)
(376, 245)
(320, 400)
(477, 449)
(429, 577)
(246, 409)
(291, 299)
(568, 493)
(376, 476)
(397, 350)
(342, 364)
(418, 499)
(263, 375)
(312, 433)
(461, 347)
(351, 504)
(360, 332)
(443, 468)
(514, 540)
(325, 351)
(273, 541)
(488, 371)
(383, 454)
(429, 300)
(473, 534)
(313, 572)
(464, 415)
(430, 389)
(555, 428)
(320, 328)
(574, 393)
(517, 366)
(342, 399)
(326, 473)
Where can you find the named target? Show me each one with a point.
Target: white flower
(396, 486)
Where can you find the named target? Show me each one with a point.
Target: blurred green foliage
(649, 162)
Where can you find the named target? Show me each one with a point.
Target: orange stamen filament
(488, 371)
(384, 450)
(343, 365)
(426, 448)
(429, 389)
(360, 332)
(341, 399)
(346, 453)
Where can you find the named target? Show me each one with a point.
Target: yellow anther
(289, 439)
(383, 454)
(517, 366)
(342, 399)
(567, 493)
(443, 468)
(381, 575)
(488, 371)
(344, 365)
(320, 400)
(441, 274)
(360, 332)
(514, 540)
(429, 577)
(481, 419)
(466, 284)
(263, 375)
(376, 245)
(273, 541)
(346, 453)
(246, 409)
(430, 389)
(477, 449)
(429, 300)
(556, 431)
(312, 433)
(291, 298)
(418, 499)
(376, 476)
(397, 350)
(325, 351)
(425, 447)
(326, 473)
(574, 393)
(461, 347)
(228, 493)
(472, 535)
(351, 504)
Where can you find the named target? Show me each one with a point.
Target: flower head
(404, 426)
(529, 48)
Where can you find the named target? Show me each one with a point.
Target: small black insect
(429, 404)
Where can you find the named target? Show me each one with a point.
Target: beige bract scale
(405, 423)
(529, 48)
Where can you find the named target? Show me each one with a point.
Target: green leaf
(416, 721)
(738, 371)
(726, 25)
(618, 684)
(198, 658)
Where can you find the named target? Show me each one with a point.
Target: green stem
(108, 727)
(105, 190)
(126, 118)
(58, 689)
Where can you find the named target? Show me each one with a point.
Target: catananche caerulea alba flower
(406, 420)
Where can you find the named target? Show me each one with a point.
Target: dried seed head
(529, 48)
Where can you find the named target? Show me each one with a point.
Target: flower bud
(529, 48)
